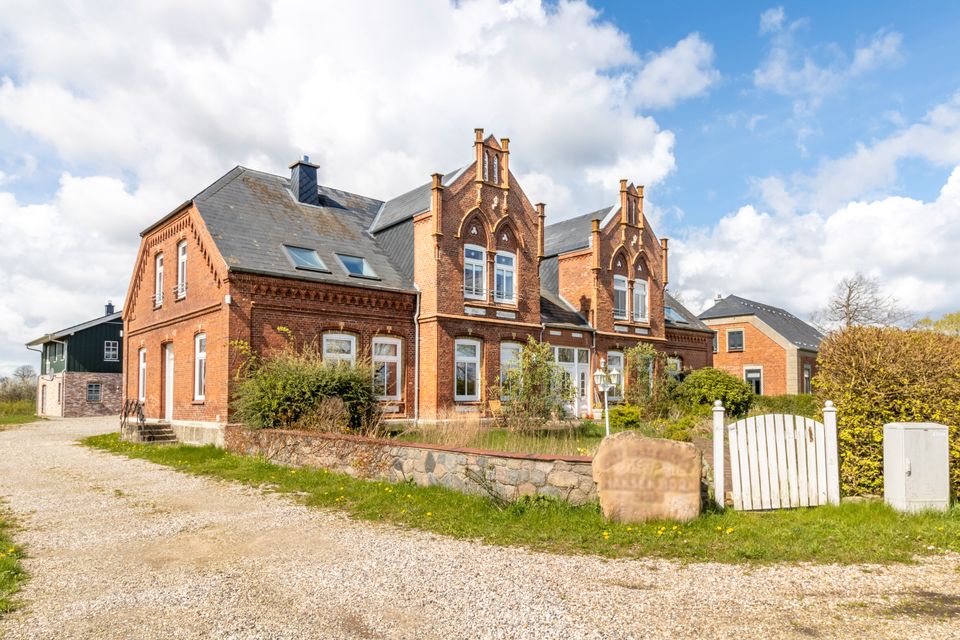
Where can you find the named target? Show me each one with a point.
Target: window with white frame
(505, 276)
(466, 370)
(181, 269)
(754, 377)
(509, 361)
(619, 297)
(807, 375)
(735, 340)
(387, 371)
(94, 392)
(142, 379)
(111, 350)
(640, 300)
(474, 272)
(716, 341)
(158, 282)
(339, 347)
(615, 363)
(200, 366)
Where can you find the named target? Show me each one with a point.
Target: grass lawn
(11, 573)
(17, 412)
(850, 533)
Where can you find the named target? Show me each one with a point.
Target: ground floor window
(467, 370)
(615, 363)
(339, 347)
(200, 367)
(754, 377)
(509, 361)
(807, 375)
(386, 368)
(93, 391)
(674, 366)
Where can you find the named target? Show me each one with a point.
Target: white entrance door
(575, 364)
(168, 382)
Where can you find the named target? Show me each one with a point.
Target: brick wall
(759, 350)
(75, 403)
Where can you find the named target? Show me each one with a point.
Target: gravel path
(124, 548)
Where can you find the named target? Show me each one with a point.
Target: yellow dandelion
(729, 529)
(429, 514)
(719, 528)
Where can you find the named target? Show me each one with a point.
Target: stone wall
(466, 470)
(75, 403)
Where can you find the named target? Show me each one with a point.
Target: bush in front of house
(294, 388)
(880, 375)
(702, 387)
(801, 404)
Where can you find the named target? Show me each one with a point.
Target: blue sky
(784, 146)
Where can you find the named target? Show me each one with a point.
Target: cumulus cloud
(771, 20)
(140, 106)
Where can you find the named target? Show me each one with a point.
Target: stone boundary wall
(510, 475)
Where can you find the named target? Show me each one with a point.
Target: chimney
(718, 298)
(303, 181)
(108, 308)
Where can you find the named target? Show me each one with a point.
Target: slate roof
(57, 335)
(685, 318)
(783, 322)
(554, 310)
(571, 234)
(409, 204)
(252, 214)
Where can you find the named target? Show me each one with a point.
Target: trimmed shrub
(625, 417)
(702, 387)
(880, 375)
(291, 389)
(802, 404)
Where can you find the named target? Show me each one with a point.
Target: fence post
(833, 462)
(718, 482)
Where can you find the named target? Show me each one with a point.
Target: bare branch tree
(25, 373)
(858, 300)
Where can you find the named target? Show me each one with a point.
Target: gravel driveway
(124, 548)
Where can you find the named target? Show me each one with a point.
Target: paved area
(123, 548)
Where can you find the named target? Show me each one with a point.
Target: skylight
(306, 259)
(356, 266)
(673, 316)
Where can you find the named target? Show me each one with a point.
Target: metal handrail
(132, 408)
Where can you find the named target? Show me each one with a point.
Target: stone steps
(158, 433)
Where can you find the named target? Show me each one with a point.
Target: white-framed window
(474, 272)
(199, 366)
(158, 282)
(505, 277)
(509, 361)
(181, 269)
(387, 369)
(615, 363)
(716, 341)
(735, 340)
(641, 297)
(142, 379)
(466, 370)
(619, 297)
(807, 375)
(94, 392)
(111, 350)
(339, 347)
(754, 377)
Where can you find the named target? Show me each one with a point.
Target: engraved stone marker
(641, 478)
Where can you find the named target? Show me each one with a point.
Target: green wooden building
(81, 368)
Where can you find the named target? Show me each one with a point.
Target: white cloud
(771, 20)
(140, 106)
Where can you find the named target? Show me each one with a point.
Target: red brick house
(770, 348)
(438, 287)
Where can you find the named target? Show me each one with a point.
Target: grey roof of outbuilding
(692, 322)
(571, 234)
(252, 215)
(63, 333)
(783, 322)
(554, 310)
(409, 204)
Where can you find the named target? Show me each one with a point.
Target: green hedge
(702, 387)
(876, 376)
(802, 404)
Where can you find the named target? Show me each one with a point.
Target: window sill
(733, 351)
(198, 402)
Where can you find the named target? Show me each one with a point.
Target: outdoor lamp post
(605, 381)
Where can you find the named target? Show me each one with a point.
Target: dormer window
(505, 272)
(619, 298)
(306, 259)
(474, 272)
(356, 266)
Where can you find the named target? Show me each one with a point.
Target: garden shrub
(535, 390)
(802, 404)
(648, 383)
(288, 389)
(880, 375)
(625, 417)
(702, 387)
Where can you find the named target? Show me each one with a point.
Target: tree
(948, 325)
(25, 373)
(858, 301)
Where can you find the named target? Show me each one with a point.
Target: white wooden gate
(777, 461)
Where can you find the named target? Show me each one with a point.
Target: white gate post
(833, 462)
(718, 481)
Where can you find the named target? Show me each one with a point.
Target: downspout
(416, 360)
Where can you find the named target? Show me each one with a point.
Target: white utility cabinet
(916, 466)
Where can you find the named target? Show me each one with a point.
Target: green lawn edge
(845, 534)
(12, 574)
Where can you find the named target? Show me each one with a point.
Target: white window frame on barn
(505, 277)
(383, 358)
(181, 289)
(641, 301)
(470, 369)
(200, 366)
(142, 378)
(111, 350)
(474, 266)
(619, 296)
(339, 356)
(158, 280)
